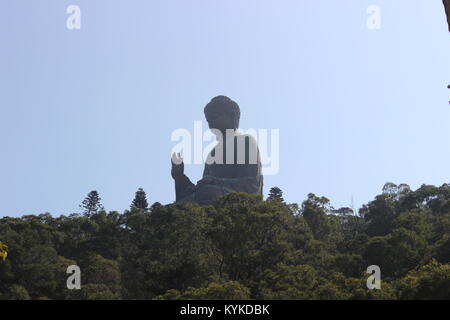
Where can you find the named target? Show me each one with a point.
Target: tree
(3, 252)
(241, 247)
(91, 204)
(288, 283)
(396, 253)
(442, 249)
(102, 272)
(295, 208)
(447, 11)
(431, 281)
(17, 292)
(315, 210)
(140, 200)
(426, 197)
(343, 212)
(276, 194)
(396, 192)
(379, 214)
(175, 253)
(249, 235)
(231, 290)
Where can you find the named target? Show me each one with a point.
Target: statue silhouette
(233, 165)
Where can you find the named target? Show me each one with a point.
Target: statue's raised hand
(177, 166)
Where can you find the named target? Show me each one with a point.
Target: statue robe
(243, 174)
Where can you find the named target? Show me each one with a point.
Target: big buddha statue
(233, 165)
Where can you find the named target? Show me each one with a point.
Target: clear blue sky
(94, 108)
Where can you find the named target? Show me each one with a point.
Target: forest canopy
(242, 247)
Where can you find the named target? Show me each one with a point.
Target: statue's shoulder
(246, 136)
(250, 140)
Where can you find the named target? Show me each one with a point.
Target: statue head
(222, 113)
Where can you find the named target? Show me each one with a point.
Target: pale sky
(93, 109)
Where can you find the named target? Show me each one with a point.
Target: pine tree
(276, 194)
(91, 204)
(140, 200)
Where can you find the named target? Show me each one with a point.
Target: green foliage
(379, 215)
(3, 251)
(93, 292)
(140, 200)
(397, 252)
(230, 290)
(315, 210)
(17, 293)
(338, 287)
(288, 283)
(241, 247)
(180, 254)
(431, 281)
(249, 235)
(91, 204)
(275, 194)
